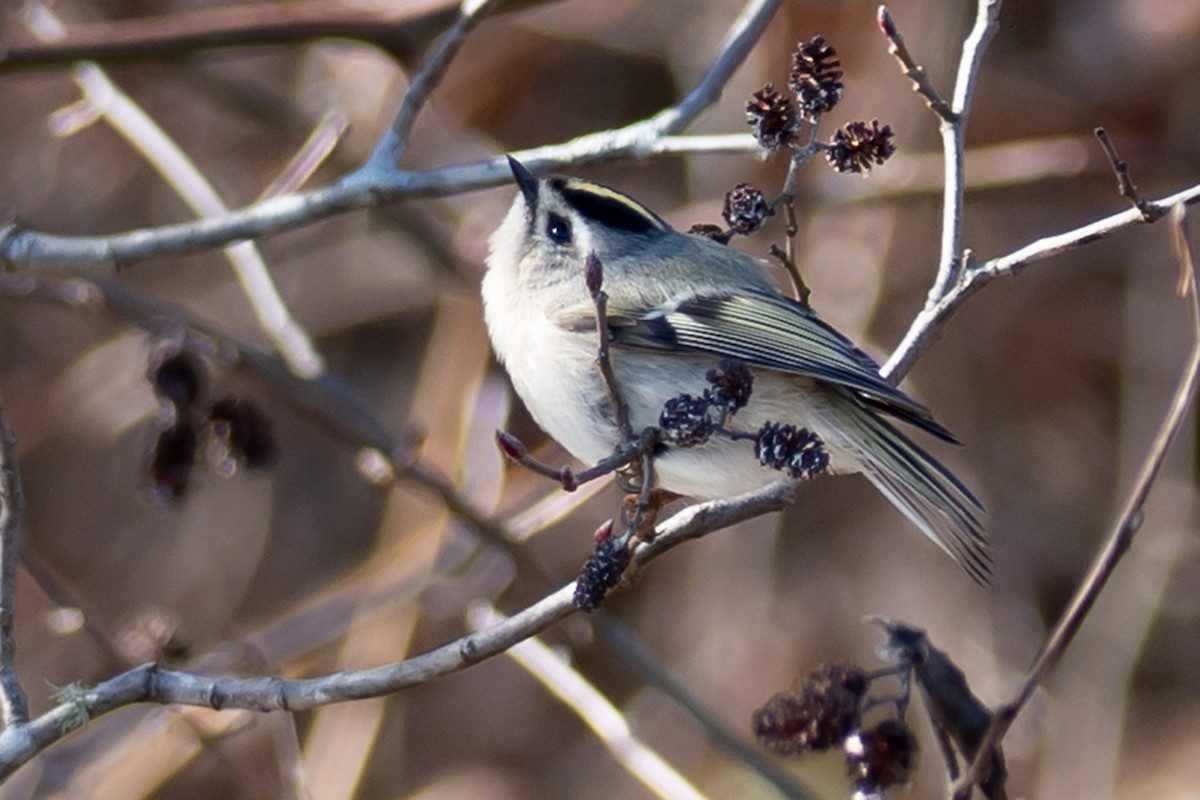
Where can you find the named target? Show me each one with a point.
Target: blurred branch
(149, 684)
(106, 100)
(103, 99)
(624, 643)
(1119, 540)
(14, 709)
(373, 183)
(317, 148)
(399, 28)
(988, 167)
(391, 146)
(596, 711)
(325, 399)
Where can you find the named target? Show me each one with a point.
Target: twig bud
(593, 273)
(887, 25)
(511, 446)
(710, 231)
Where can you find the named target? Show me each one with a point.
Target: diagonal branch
(1118, 541)
(369, 186)
(931, 319)
(391, 146)
(149, 684)
(399, 28)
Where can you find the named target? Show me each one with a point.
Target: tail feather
(920, 487)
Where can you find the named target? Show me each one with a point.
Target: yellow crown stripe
(580, 185)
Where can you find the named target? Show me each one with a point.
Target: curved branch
(930, 320)
(149, 684)
(396, 27)
(373, 184)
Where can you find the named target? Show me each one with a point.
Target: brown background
(1055, 380)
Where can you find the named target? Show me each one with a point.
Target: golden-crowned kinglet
(678, 305)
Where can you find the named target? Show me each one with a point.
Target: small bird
(678, 306)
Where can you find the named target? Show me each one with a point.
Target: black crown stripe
(609, 207)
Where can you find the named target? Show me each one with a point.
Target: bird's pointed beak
(526, 182)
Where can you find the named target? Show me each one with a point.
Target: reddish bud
(886, 24)
(510, 445)
(604, 532)
(593, 272)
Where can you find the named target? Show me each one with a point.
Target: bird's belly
(567, 397)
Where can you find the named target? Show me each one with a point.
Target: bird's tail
(928, 493)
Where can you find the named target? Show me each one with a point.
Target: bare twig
(104, 99)
(367, 187)
(953, 128)
(14, 710)
(914, 71)
(930, 320)
(148, 684)
(391, 146)
(1124, 180)
(399, 28)
(594, 275)
(1116, 545)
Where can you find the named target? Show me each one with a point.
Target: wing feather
(769, 331)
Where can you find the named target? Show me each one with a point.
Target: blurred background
(1055, 380)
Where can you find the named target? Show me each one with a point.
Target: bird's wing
(768, 331)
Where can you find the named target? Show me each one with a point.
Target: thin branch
(14, 709)
(953, 129)
(594, 275)
(922, 85)
(954, 138)
(106, 100)
(787, 198)
(400, 28)
(148, 684)
(931, 319)
(1124, 180)
(391, 146)
(1115, 546)
(596, 711)
(711, 143)
(21, 248)
(626, 453)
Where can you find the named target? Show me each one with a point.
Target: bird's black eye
(558, 228)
